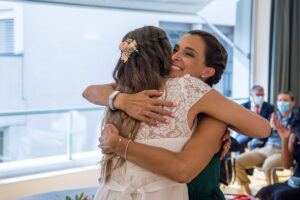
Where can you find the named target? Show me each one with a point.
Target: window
(66, 48)
(233, 29)
(6, 36)
(231, 22)
(225, 84)
(175, 30)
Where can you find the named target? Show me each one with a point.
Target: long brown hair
(145, 69)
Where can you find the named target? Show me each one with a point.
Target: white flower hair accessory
(127, 48)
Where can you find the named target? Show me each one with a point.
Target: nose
(175, 56)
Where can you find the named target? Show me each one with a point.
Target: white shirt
(253, 106)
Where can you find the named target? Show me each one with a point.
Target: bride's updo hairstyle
(215, 55)
(143, 68)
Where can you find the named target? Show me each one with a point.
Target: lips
(176, 68)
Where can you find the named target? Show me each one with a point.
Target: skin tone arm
(287, 141)
(161, 161)
(213, 104)
(92, 93)
(239, 118)
(135, 105)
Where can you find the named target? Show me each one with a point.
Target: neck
(284, 115)
(162, 87)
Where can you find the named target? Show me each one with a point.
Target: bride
(145, 64)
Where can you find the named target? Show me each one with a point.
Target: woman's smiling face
(189, 58)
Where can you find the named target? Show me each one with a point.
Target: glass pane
(58, 50)
(230, 19)
(37, 136)
(85, 131)
(47, 135)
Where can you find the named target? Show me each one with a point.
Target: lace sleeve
(185, 92)
(194, 89)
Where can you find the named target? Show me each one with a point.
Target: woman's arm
(135, 105)
(239, 118)
(179, 166)
(287, 157)
(287, 143)
(98, 94)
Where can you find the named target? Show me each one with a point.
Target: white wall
(66, 53)
(11, 89)
(261, 44)
(222, 12)
(67, 48)
(49, 182)
(10, 10)
(241, 61)
(63, 54)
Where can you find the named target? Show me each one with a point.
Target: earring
(202, 76)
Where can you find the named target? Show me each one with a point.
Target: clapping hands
(283, 131)
(273, 120)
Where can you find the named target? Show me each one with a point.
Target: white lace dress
(131, 182)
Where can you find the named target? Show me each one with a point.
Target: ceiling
(169, 6)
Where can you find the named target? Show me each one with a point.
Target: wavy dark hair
(215, 55)
(144, 70)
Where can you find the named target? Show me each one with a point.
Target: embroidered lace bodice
(133, 182)
(185, 92)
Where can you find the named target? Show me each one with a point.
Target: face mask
(258, 100)
(283, 106)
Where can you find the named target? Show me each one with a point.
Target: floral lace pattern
(136, 181)
(185, 92)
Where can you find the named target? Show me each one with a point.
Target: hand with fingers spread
(226, 143)
(283, 131)
(142, 106)
(109, 139)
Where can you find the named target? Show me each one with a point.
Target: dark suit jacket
(266, 109)
(296, 123)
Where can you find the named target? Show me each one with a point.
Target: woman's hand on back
(142, 106)
(226, 143)
(109, 139)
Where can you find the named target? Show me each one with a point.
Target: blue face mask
(283, 106)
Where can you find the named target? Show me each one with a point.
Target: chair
(275, 169)
(273, 172)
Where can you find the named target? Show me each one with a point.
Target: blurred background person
(268, 156)
(262, 108)
(290, 153)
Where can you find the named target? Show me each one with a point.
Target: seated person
(268, 156)
(259, 106)
(290, 152)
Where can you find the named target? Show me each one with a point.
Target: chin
(174, 74)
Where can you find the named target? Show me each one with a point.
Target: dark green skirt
(206, 185)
